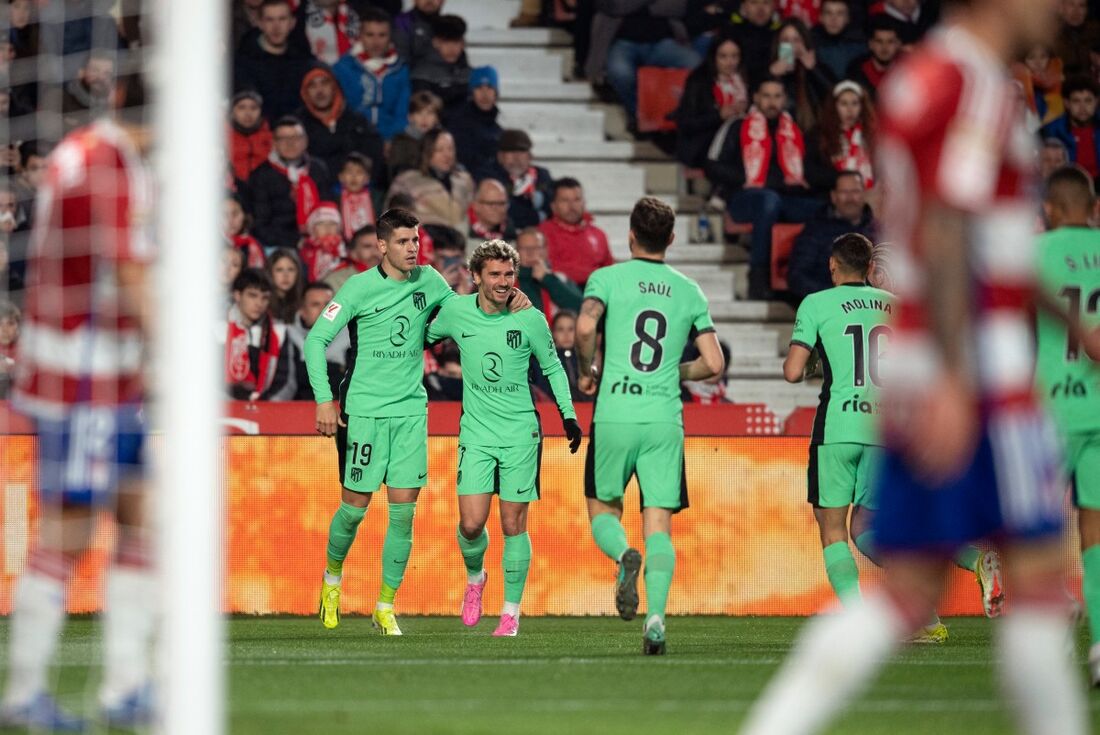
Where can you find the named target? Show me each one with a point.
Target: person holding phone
(808, 84)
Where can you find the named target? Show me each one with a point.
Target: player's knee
(470, 528)
(401, 515)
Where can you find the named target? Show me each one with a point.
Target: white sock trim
(511, 608)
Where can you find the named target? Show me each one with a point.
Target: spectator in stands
(847, 212)
(10, 219)
(287, 277)
(413, 30)
(846, 137)
(1077, 36)
(1040, 73)
(528, 185)
(11, 280)
(1078, 128)
(643, 33)
(333, 129)
(268, 63)
(330, 27)
(232, 265)
(88, 94)
(315, 298)
(794, 62)
(374, 77)
(759, 165)
(563, 329)
(363, 254)
(704, 392)
(548, 291)
(244, 21)
(910, 18)
(287, 186)
(474, 124)
(32, 174)
(807, 11)
(441, 188)
(450, 260)
(249, 133)
(838, 40)
(445, 71)
(443, 380)
(425, 110)
(10, 319)
(323, 250)
(713, 93)
(574, 245)
(756, 25)
(488, 214)
(883, 49)
(236, 223)
(1053, 156)
(426, 254)
(257, 352)
(356, 199)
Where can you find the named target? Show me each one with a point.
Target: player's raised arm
(588, 322)
(334, 317)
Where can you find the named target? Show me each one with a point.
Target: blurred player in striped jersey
(82, 353)
(969, 453)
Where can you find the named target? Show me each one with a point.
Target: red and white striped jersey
(953, 134)
(79, 342)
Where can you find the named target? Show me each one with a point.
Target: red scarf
(730, 91)
(756, 149)
(481, 229)
(253, 251)
(854, 155)
(524, 186)
(321, 256)
(356, 210)
(805, 10)
(330, 35)
(239, 351)
(303, 189)
(378, 66)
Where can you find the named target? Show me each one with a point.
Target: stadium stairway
(577, 135)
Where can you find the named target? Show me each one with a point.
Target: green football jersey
(652, 312)
(1069, 273)
(849, 326)
(495, 350)
(386, 319)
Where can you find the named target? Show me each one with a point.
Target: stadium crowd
(341, 109)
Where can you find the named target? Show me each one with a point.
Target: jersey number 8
(650, 328)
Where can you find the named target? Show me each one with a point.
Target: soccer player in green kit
(848, 325)
(380, 418)
(649, 312)
(1069, 275)
(499, 440)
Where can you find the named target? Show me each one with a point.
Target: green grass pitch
(567, 676)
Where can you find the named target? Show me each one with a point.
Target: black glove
(573, 433)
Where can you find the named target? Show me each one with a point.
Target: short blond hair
(492, 250)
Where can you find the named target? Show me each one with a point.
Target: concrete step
(750, 311)
(711, 278)
(598, 150)
(607, 185)
(542, 37)
(482, 14)
(557, 122)
(748, 366)
(519, 65)
(748, 340)
(512, 89)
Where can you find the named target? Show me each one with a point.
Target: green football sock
(660, 562)
(840, 567)
(516, 562)
(967, 558)
(865, 542)
(1090, 588)
(396, 549)
(610, 535)
(473, 550)
(341, 534)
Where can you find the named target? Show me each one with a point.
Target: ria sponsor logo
(857, 405)
(1069, 388)
(626, 387)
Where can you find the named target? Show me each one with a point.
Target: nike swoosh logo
(422, 475)
(522, 492)
(467, 336)
(378, 309)
(400, 561)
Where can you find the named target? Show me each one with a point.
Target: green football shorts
(1083, 466)
(652, 452)
(393, 451)
(840, 475)
(510, 472)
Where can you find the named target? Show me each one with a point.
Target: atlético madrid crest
(513, 338)
(419, 300)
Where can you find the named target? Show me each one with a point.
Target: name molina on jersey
(879, 304)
